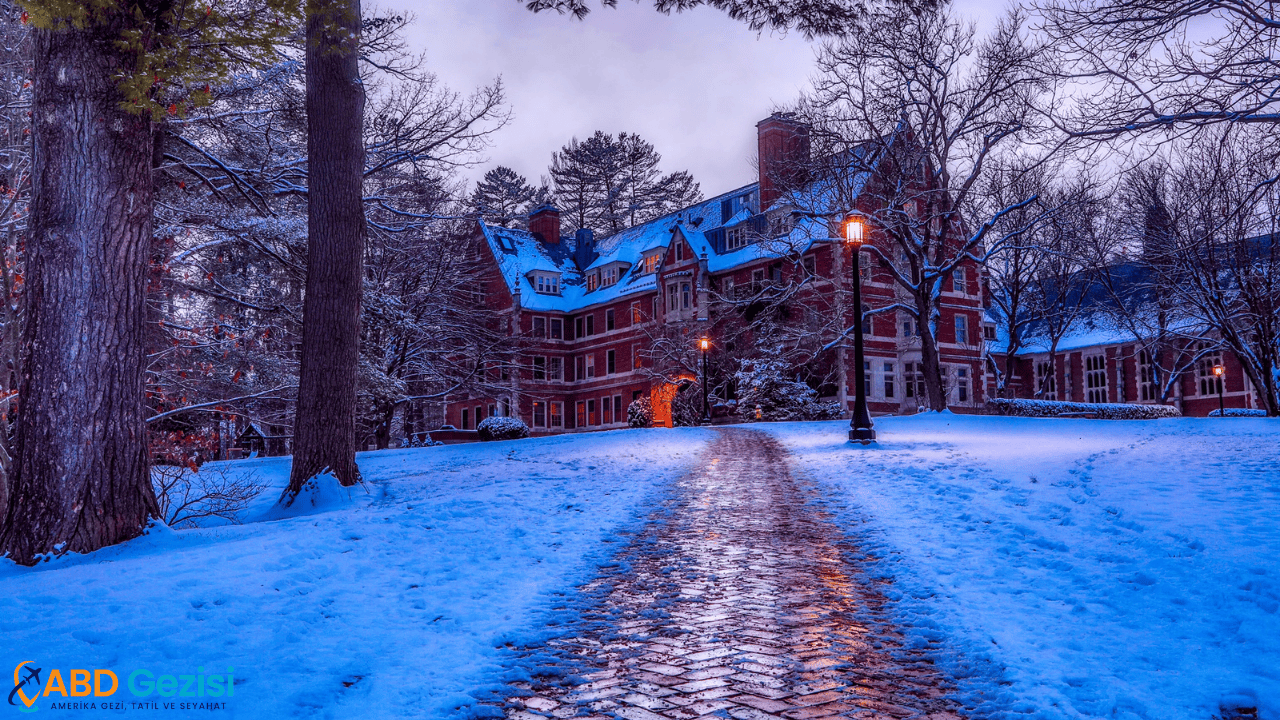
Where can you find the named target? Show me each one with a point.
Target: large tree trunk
(81, 478)
(325, 427)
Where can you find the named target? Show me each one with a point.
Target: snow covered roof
(702, 225)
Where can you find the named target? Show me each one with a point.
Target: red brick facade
(579, 369)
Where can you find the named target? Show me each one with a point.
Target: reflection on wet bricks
(738, 601)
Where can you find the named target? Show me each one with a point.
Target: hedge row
(1241, 412)
(1103, 411)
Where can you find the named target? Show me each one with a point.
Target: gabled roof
(519, 253)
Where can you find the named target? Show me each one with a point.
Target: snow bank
(390, 603)
(1103, 411)
(322, 493)
(1100, 569)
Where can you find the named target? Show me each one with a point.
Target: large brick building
(586, 309)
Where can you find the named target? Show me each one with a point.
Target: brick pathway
(738, 601)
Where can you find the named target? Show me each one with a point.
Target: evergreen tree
(609, 184)
(503, 197)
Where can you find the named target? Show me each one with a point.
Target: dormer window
(593, 281)
(609, 276)
(652, 262)
(546, 283)
(735, 238)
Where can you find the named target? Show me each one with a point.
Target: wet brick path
(739, 602)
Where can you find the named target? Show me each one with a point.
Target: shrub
(1102, 411)
(640, 413)
(502, 428)
(765, 384)
(1241, 412)
(188, 497)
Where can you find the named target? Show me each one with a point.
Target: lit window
(556, 418)
(593, 281)
(652, 262)
(591, 365)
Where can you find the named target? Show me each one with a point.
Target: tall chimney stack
(544, 221)
(783, 156)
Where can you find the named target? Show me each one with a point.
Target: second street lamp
(1219, 376)
(860, 430)
(705, 345)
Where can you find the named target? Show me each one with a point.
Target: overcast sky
(693, 84)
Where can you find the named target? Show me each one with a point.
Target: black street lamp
(860, 430)
(705, 344)
(1219, 374)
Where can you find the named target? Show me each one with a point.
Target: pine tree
(609, 184)
(503, 197)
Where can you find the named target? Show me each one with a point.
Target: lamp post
(1219, 374)
(705, 345)
(860, 430)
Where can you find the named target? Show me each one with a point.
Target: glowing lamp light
(854, 230)
(705, 344)
(1219, 370)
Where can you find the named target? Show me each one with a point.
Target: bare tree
(187, 496)
(1013, 268)
(1166, 67)
(1223, 261)
(15, 195)
(908, 117)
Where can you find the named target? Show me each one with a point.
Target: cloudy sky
(693, 84)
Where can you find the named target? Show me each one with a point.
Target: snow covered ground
(1081, 568)
(1119, 569)
(393, 606)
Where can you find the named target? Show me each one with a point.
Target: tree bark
(325, 426)
(81, 477)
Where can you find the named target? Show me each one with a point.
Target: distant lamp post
(704, 344)
(1220, 375)
(860, 430)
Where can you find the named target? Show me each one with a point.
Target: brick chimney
(783, 155)
(544, 221)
